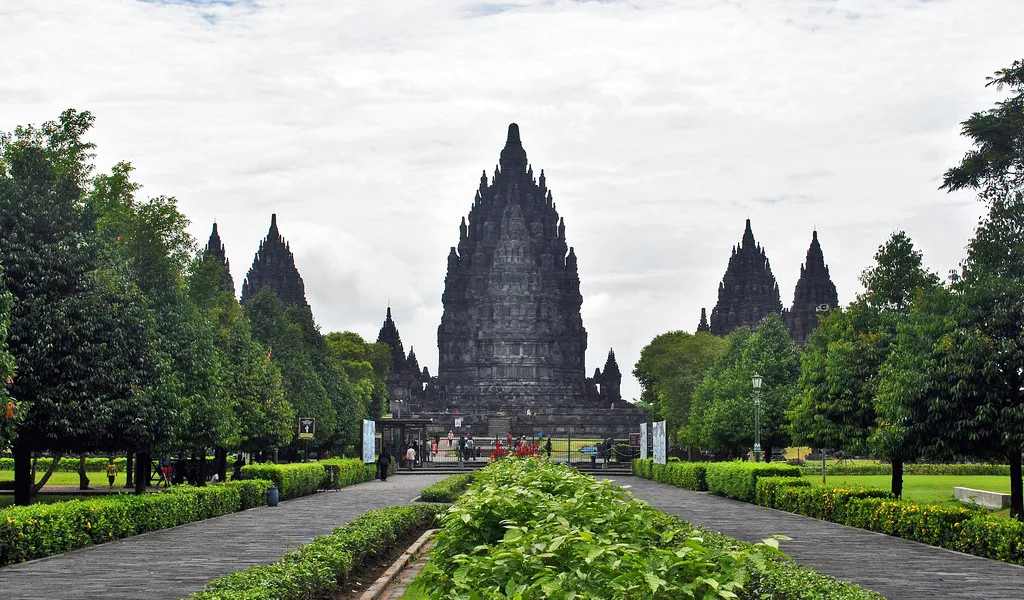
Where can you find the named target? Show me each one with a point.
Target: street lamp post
(756, 380)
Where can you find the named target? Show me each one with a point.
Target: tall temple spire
(274, 267)
(748, 291)
(611, 378)
(815, 294)
(405, 381)
(703, 325)
(511, 328)
(215, 248)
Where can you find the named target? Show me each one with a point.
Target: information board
(659, 442)
(307, 428)
(643, 440)
(369, 447)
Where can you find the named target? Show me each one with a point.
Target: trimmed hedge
(38, 530)
(767, 487)
(251, 492)
(961, 528)
(291, 480)
(686, 475)
(69, 464)
(321, 568)
(910, 469)
(350, 471)
(738, 480)
(448, 489)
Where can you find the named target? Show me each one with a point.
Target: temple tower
(815, 295)
(703, 325)
(511, 332)
(274, 266)
(215, 248)
(405, 381)
(748, 291)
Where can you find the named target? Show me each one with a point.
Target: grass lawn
(925, 489)
(96, 480)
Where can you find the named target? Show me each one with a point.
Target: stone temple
(748, 292)
(511, 344)
(274, 266)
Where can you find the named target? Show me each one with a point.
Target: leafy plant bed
(531, 529)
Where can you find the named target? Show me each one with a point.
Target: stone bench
(994, 500)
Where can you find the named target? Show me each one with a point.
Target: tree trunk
(767, 454)
(129, 470)
(1016, 487)
(897, 478)
(22, 474)
(83, 479)
(200, 467)
(222, 463)
(143, 464)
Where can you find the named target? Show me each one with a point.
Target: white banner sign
(643, 440)
(659, 442)
(369, 433)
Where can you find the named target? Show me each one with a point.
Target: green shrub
(687, 475)
(291, 480)
(910, 469)
(738, 480)
(38, 530)
(321, 568)
(348, 471)
(767, 487)
(827, 503)
(251, 492)
(448, 489)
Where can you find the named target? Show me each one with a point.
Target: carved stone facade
(215, 248)
(748, 291)
(274, 266)
(511, 339)
(815, 295)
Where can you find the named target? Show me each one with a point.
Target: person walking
(547, 448)
(111, 471)
(451, 438)
(462, 448)
(383, 463)
(410, 455)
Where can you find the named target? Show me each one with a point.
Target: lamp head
(756, 379)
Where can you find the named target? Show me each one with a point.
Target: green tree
(285, 341)
(81, 343)
(722, 408)
(10, 412)
(670, 368)
(771, 353)
(997, 160)
(835, 406)
(366, 367)
(251, 379)
(146, 243)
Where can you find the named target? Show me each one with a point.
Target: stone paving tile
(173, 563)
(896, 568)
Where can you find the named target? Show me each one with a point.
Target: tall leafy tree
(286, 344)
(251, 379)
(10, 413)
(721, 413)
(80, 343)
(771, 353)
(366, 367)
(836, 403)
(670, 368)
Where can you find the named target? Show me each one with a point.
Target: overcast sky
(661, 126)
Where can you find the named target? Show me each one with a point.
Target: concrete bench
(994, 500)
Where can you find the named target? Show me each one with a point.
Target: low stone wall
(994, 500)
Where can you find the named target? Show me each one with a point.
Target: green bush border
(738, 480)
(322, 567)
(686, 475)
(39, 530)
(910, 469)
(448, 489)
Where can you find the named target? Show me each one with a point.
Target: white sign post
(659, 442)
(369, 444)
(643, 441)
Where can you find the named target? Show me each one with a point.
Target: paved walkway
(896, 568)
(173, 563)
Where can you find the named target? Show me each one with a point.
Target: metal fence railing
(561, 449)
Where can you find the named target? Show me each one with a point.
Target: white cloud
(661, 126)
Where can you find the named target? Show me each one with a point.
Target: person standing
(547, 447)
(410, 455)
(111, 471)
(383, 463)
(451, 438)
